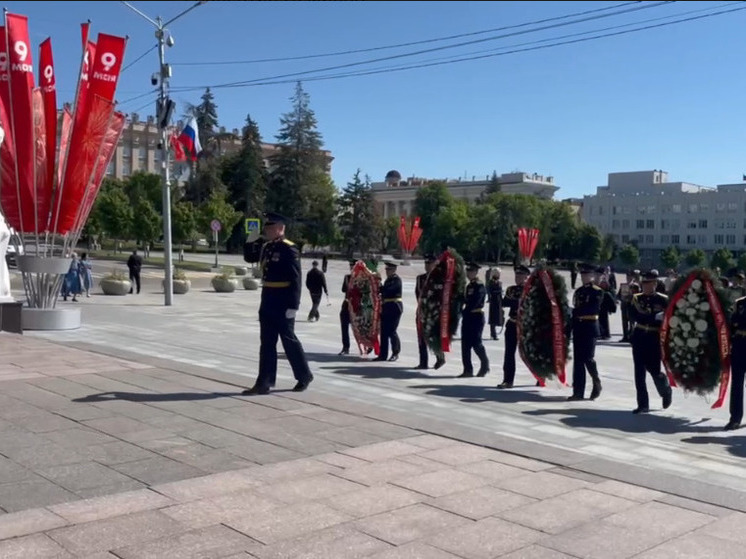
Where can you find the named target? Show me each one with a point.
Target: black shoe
(483, 372)
(538, 383)
(301, 386)
(503, 385)
(394, 357)
(641, 410)
(667, 399)
(466, 374)
(439, 363)
(256, 389)
(732, 426)
(596, 392)
(344, 352)
(421, 367)
(575, 398)
(369, 351)
(379, 359)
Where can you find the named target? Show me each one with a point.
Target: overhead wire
(408, 44)
(139, 58)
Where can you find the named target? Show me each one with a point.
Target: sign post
(252, 226)
(216, 227)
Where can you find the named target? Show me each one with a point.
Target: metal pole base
(50, 319)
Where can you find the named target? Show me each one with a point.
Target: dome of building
(393, 176)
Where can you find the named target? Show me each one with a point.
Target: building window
(675, 240)
(651, 209)
(126, 168)
(691, 239)
(676, 208)
(704, 208)
(615, 210)
(649, 239)
(640, 238)
(731, 224)
(641, 209)
(665, 239)
(732, 207)
(674, 224)
(600, 210)
(625, 224)
(615, 224)
(665, 224)
(720, 207)
(693, 209)
(650, 224)
(627, 210)
(691, 225)
(111, 168)
(640, 223)
(143, 153)
(730, 239)
(719, 224)
(719, 239)
(625, 239)
(702, 239)
(703, 224)
(127, 151)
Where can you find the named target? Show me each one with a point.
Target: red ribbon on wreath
(445, 308)
(519, 327)
(558, 332)
(723, 341)
(354, 298)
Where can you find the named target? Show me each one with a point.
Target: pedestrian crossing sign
(253, 225)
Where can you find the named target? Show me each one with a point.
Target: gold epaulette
(288, 242)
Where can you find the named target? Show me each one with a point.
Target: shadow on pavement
(736, 445)
(375, 370)
(479, 393)
(156, 397)
(626, 421)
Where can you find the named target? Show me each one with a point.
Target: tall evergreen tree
(244, 173)
(357, 215)
(494, 185)
(207, 117)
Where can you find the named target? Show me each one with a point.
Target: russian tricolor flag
(189, 138)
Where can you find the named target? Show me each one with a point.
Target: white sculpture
(4, 242)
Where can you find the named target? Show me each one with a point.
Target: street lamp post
(165, 108)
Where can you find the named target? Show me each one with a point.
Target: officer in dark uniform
(421, 342)
(473, 324)
(737, 363)
(391, 311)
(281, 289)
(587, 302)
(344, 314)
(510, 300)
(495, 297)
(646, 311)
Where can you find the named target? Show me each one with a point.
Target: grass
(152, 261)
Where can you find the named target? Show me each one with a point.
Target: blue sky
(669, 98)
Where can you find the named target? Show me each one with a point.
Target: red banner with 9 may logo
(48, 84)
(21, 73)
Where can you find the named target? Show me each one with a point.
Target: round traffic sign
(215, 225)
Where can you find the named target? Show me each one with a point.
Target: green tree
(147, 225)
(695, 258)
(453, 228)
(560, 231)
(742, 262)
(206, 181)
(115, 213)
(671, 257)
(494, 185)
(217, 207)
(244, 173)
(387, 233)
(147, 186)
(609, 249)
(183, 222)
(206, 114)
(320, 195)
(722, 258)
(357, 216)
(589, 243)
(429, 201)
(629, 255)
(513, 211)
(299, 159)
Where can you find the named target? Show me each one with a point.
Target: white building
(397, 196)
(644, 207)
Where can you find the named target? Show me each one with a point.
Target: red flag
(8, 193)
(402, 233)
(179, 153)
(84, 31)
(414, 236)
(21, 116)
(47, 82)
(42, 189)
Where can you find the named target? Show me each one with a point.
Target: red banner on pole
(21, 72)
(8, 191)
(48, 85)
(528, 240)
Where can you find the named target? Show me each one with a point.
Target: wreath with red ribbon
(695, 336)
(543, 316)
(364, 304)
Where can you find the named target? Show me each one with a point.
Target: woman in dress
(72, 284)
(85, 269)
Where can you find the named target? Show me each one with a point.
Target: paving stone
(305, 444)
(541, 485)
(28, 522)
(207, 459)
(32, 493)
(293, 470)
(152, 471)
(731, 527)
(443, 482)
(494, 471)
(459, 454)
(145, 435)
(349, 436)
(42, 455)
(104, 490)
(431, 442)
(99, 508)
(115, 533)
(381, 472)
(81, 412)
(12, 471)
(287, 522)
(159, 445)
(536, 552)
(333, 417)
(37, 546)
(340, 460)
(206, 512)
(207, 486)
(213, 541)
(560, 513)
(480, 502)
(260, 452)
(627, 491)
(332, 543)
(521, 462)
(79, 437)
(382, 451)
(694, 546)
(697, 506)
(116, 425)
(647, 517)
(485, 539)
(374, 500)
(45, 422)
(117, 452)
(85, 475)
(410, 523)
(414, 550)
(297, 424)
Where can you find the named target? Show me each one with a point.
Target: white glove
(290, 313)
(659, 317)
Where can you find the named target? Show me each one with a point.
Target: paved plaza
(129, 438)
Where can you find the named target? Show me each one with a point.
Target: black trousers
(738, 372)
(626, 326)
(511, 345)
(344, 321)
(135, 279)
(422, 346)
(315, 300)
(646, 354)
(471, 339)
(390, 317)
(584, 355)
(273, 324)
